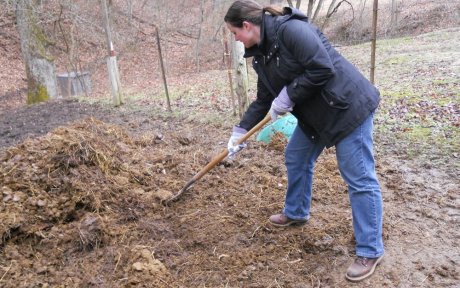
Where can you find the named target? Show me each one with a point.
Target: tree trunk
(318, 8)
(112, 66)
(241, 75)
(311, 3)
(229, 68)
(198, 40)
(40, 70)
(394, 16)
(329, 13)
(130, 10)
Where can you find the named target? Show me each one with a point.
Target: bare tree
(361, 14)
(229, 68)
(40, 70)
(394, 15)
(311, 3)
(112, 66)
(297, 4)
(130, 9)
(241, 75)
(333, 8)
(311, 7)
(318, 8)
(198, 40)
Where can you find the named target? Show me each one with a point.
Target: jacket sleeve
(258, 108)
(306, 47)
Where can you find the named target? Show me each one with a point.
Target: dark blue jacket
(331, 96)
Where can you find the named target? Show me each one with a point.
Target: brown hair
(250, 11)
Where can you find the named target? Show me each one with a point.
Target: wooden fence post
(374, 40)
(163, 72)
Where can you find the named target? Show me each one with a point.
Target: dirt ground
(81, 207)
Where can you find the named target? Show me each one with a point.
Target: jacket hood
(269, 29)
(293, 13)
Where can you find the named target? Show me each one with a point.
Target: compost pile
(77, 190)
(82, 206)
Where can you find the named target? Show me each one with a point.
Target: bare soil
(81, 207)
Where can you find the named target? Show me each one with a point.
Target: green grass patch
(397, 60)
(388, 45)
(394, 95)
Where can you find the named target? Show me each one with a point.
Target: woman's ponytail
(250, 11)
(274, 10)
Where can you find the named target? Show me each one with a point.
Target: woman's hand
(232, 147)
(281, 105)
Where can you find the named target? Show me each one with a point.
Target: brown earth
(81, 208)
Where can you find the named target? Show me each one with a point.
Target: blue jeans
(356, 164)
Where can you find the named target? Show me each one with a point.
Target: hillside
(137, 48)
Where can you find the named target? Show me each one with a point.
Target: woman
(300, 72)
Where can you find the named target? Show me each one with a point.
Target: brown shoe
(281, 220)
(362, 268)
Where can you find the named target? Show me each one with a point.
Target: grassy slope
(419, 81)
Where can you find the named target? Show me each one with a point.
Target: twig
(11, 170)
(163, 281)
(254, 233)
(182, 249)
(191, 214)
(1, 279)
(118, 261)
(294, 261)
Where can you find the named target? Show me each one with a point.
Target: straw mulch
(76, 190)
